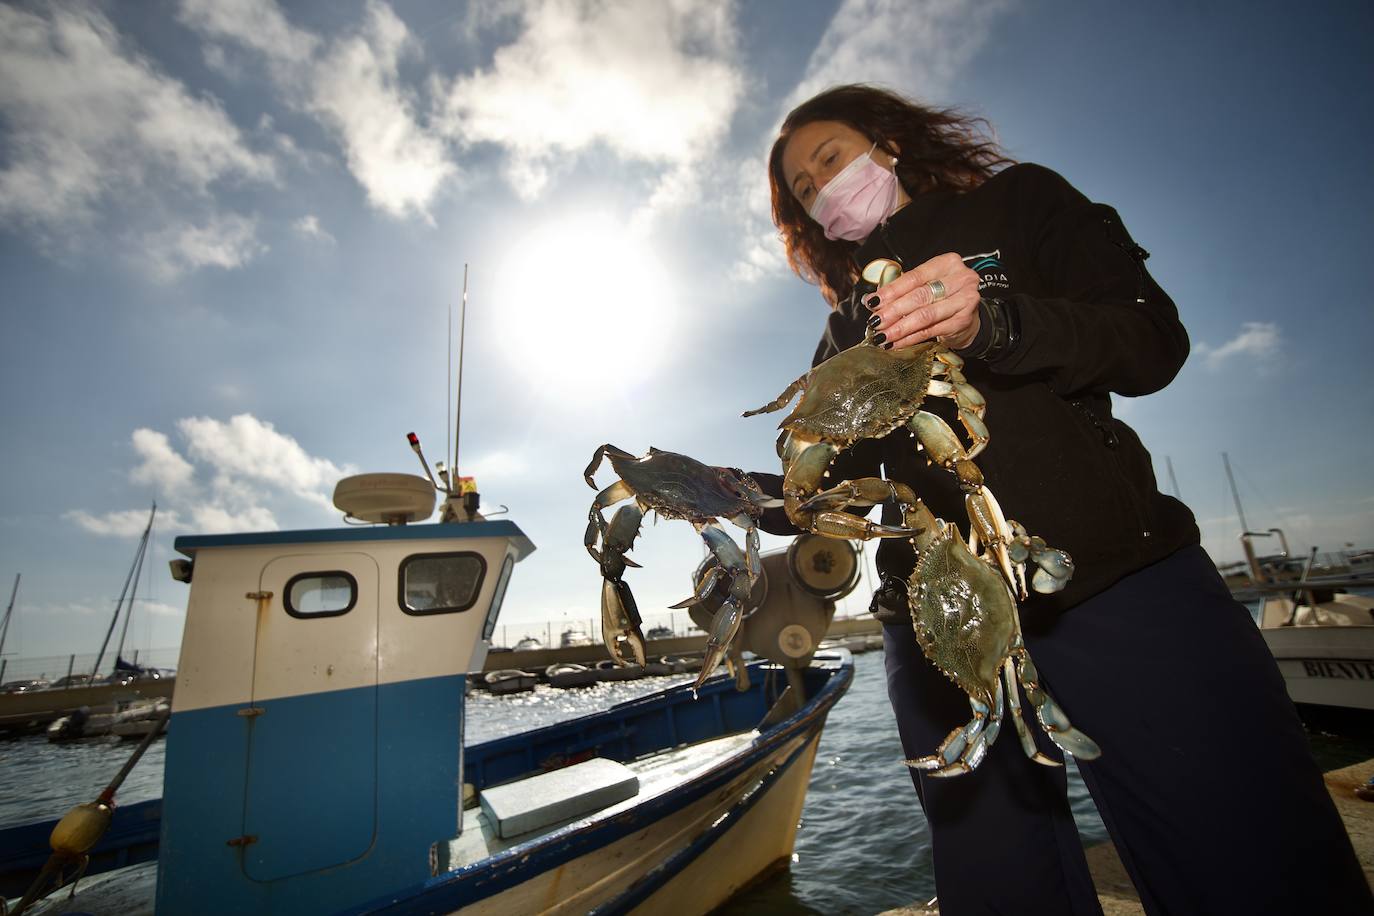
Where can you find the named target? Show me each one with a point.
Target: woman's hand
(907, 311)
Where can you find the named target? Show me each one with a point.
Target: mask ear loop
(896, 191)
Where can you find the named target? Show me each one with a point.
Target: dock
(34, 709)
(1118, 896)
(590, 654)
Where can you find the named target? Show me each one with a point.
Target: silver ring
(937, 290)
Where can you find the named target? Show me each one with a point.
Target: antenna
(1172, 479)
(448, 377)
(458, 414)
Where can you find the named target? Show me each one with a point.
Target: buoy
(80, 829)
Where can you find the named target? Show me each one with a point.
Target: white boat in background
(1321, 635)
(574, 636)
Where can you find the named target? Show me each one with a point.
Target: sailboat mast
(1234, 494)
(5, 627)
(137, 564)
(133, 595)
(1169, 462)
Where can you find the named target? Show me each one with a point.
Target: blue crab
(962, 594)
(676, 487)
(966, 623)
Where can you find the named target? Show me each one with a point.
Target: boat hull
(1326, 666)
(717, 821)
(689, 863)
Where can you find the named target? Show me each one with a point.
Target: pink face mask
(856, 200)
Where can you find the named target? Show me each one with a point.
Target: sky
(232, 234)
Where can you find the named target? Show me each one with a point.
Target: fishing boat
(315, 760)
(1321, 635)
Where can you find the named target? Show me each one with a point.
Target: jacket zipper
(1112, 441)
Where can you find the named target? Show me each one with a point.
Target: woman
(1205, 780)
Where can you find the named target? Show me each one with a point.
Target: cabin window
(441, 583)
(498, 596)
(320, 594)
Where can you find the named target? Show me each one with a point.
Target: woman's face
(817, 151)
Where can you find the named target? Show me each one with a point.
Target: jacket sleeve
(1106, 325)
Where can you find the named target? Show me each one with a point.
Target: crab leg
(725, 625)
(964, 748)
(596, 522)
(985, 515)
(620, 620)
(595, 463)
(781, 400)
(799, 488)
(1052, 719)
(1022, 732)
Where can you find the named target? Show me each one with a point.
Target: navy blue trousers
(1206, 782)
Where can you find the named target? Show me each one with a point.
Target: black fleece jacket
(1092, 321)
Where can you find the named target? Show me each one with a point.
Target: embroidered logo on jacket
(988, 266)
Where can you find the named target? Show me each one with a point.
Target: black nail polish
(879, 338)
(875, 321)
(871, 302)
(888, 345)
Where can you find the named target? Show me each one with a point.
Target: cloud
(256, 24)
(90, 122)
(248, 464)
(1257, 339)
(162, 467)
(159, 609)
(249, 450)
(128, 523)
(918, 48)
(573, 79)
(352, 86)
(308, 226)
(226, 242)
(500, 465)
(915, 47)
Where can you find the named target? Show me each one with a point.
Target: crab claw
(724, 627)
(620, 622)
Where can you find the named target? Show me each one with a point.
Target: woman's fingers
(954, 333)
(909, 312)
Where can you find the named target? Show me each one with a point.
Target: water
(862, 846)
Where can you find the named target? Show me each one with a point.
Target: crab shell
(964, 615)
(678, 487)
(864, 392)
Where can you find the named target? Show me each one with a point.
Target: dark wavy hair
(941, 148)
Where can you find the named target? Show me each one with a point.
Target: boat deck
(657, 773)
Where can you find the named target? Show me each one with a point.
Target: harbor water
(862, 846)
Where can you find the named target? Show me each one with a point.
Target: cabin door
(311, 788)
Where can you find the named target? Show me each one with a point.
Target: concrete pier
(1119, 898)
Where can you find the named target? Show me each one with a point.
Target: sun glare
(585, 302)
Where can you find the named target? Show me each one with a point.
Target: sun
(584, 301)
